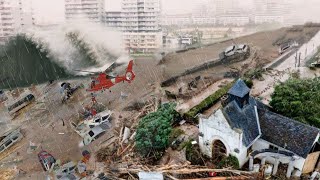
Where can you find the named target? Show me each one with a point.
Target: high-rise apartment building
(141, 25)
(84, 9)
(15, 17)
(270, 11)
(113, 19)
(274, 7)
(226, 6)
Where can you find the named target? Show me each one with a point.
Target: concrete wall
(262, 144)
(216, 127)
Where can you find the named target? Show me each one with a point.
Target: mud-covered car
(46, 160)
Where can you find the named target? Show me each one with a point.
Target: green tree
(154, 130)
(298, 99)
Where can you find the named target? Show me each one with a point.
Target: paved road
(265, 88)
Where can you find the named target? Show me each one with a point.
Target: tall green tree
(298, 99)
(154, 129)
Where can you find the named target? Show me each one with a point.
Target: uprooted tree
(299, 99)
(154, 130)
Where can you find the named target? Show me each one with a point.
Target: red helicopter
(104, 81)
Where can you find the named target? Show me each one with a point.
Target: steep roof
(287, 133)
(239, 89)
(244, 119)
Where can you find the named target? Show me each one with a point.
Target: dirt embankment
(266, 43)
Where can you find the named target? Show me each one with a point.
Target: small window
(97, 120)
(72, 168)
(1, 148)
(15, 137)
(91, 133)
(8, 143)
(104, 118)
(273, 147)
(99, 135)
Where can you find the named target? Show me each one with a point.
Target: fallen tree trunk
(183, 170)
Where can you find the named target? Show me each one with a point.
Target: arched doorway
(219, 151)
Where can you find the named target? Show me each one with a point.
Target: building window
(273, 147)
(249, 151)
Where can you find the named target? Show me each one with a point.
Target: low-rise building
(233, 19)
(179, 19)
(264, 18)
(248, 129)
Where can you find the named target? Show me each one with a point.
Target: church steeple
(240, 93)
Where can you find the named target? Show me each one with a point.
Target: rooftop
(287, 133)
(239, 89)
(244, 119)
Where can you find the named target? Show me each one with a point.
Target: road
(281, 73)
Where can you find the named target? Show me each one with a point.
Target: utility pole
(299, 59)
(296, 58)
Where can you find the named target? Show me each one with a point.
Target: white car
(86, 125)
(230, 50)
(66, 170)
(94, 134)
(242, 48)
(100, 118)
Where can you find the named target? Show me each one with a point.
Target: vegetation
(154, 130)
(175, 133)
(208, 102)
(193, 154)
(229, 162)
(254, 74)
(299, 99)
(248, 82)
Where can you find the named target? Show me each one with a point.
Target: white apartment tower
(141, 25)
(84, 9)
(15, 17)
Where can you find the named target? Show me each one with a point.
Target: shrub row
(208, 102)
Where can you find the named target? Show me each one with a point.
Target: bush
(208, 102)
(227, 162)
(298, 99)
(254, 74)
(154, 130)
(175, 133)
(193, 154)
(248, 82)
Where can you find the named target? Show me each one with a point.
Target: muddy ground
(46, 122)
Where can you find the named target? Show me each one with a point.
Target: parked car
(3, 96)
(230, 50)
(84, 126)
(94, 134)
(47, 161)
(285, 47)
(72, 176)
(9, 139)
(66, 170)
(22, 103)
(242, 48)
(100, 118)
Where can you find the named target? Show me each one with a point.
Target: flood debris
(9, 139)
(150, 175)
